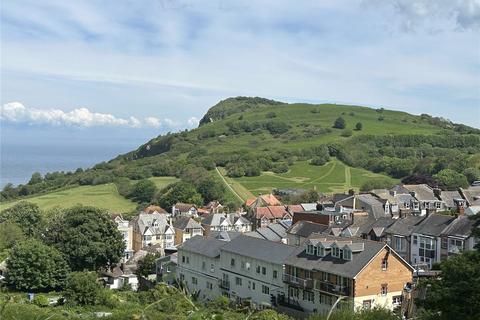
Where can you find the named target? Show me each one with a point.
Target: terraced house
(359, 272)
(152, 229)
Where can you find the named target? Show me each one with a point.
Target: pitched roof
(157, 223)
(152, 209)
(305, 228)
(270, 212)
(449, 198)
(294, 208)
(259, 249)
(224, 235)
(214, 219)
(461, 227)
(372, 205)
(309, 206)
(422, 192)
(186, 223)
(345, 268)
(472, 195)
(206, 246)
(404, 226)
(400, 189)
(184, 207)
(250, 201)
(340, 196)
(433, 225)
(263, 200)
(273, 232)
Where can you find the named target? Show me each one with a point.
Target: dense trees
(82, 288)
(178, 192)
(472, 174)
(143, 191)
(451, 180)
(10, 234)
(87, 237)
(456, 294)
(33, 266)
(25, 214)
(147, 265)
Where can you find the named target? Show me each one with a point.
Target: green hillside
(253, 145)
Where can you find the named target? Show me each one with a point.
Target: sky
(147, 67)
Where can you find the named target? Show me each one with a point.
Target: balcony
(298, 282)
(224, 284)
(329, 287)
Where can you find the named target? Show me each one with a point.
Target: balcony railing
(298, 282)
(224, 284)
(332, 288)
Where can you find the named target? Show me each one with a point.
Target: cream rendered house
(152, 229)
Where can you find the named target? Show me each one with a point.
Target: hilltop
(254, 145)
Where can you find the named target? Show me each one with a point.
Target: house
(226, 222)
(453, 201)
(252, 270)
(471, 195)
(117, 279)
(185, 209)
(166, 268)
(152, 229)
(309, 206)
(262, 201)
(153, 209)
(262, 216)
(426, 240)
(214, 207)
(457, 237)
(275, 232)
(298, 233)
(224, 235)
(186, 228)
(198, 266)
(365, 202)
(325, 269)
(426, 197)
(126, 230)
(399, 235)
(326, 217)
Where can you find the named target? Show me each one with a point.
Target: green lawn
(331, 177)
(103, 196)
(162, 182)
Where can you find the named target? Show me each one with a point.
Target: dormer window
(347, 254)
(321, 251)
(336, 251)
(311, 249)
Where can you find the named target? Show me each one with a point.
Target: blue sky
(154, 66)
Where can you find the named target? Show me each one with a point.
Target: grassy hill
(253, 145)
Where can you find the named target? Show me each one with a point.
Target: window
(242, 265)
(308, 296)
(203, 265)
(336, 252)
(238, 281)
(399, 244)
(347, 255)
(258, 269)
(232, 262)
(264, 270)
(253, 285)
(188, 259)
(183, 259)
(325, 276)
(415, 239)
(209, 286)
(275, 274)
(265, 289)
(169, 237)
(168, 269)
(407, 205)
(212, 267)
(194, 280)
(384, 289)
(247, 265)
(321, 251)
(455, 245)
(438, 205)
(384, 264)
(367, 304)
(416, 205)
(293, 292)
(396, 300)
(182, 277)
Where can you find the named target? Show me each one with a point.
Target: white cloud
(16, 112)
(193, 122)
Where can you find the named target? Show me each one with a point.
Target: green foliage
(178, 192)
(269, 315)
(10, 234)
(280, 168)
(25, 214)
(276, 127)
(456, 294)
(36, 178)
(339, 123)
(143, 191)
(451, 180)
(33, 266)
(347, 313)
(40, 300)
(318, 161)
(472, 174)
(271, 115)
(358, 126)
(87, 237)
(82, 288)
(376, 184)
(147, 266)
(347, 133)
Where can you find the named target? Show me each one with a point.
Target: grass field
(103, 196)
(331, 177)
(162, 182)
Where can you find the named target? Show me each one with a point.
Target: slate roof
(206, 246)
(472, 194)
(214, 219)
(145, 221)
(184, 207)
(259, 249)
(404, 226)
(400, 189)
(346, 268)
(384, 194)
(305, 228)
(422, 192)
(449, 196)
(309, 206)
(186, 223)
(273, 232)
(224, 235)
(371, 204)
(433, 225)
(340, 196)
(461, 227)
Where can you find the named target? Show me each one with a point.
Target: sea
(23, 153)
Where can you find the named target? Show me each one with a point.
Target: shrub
(339, 123)
(381, 118)
(276, 127)
(40, 301)
(358, 126)
(280, 168)
(271, 115)
(347, 133)
(82, 288)
(318, 161)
